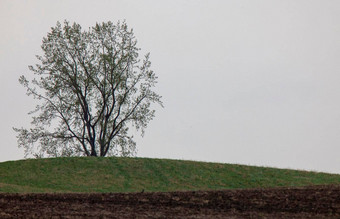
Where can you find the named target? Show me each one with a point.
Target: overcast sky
(252, 82)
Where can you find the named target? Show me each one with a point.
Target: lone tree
(93, 88)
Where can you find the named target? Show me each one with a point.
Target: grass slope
(88, 174)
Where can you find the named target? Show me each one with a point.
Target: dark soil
(306, 202)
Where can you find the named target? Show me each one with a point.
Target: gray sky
(243, 81)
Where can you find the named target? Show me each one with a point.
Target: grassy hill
(88, 174)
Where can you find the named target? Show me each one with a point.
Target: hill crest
(116, 174)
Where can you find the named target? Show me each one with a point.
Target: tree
(93, 88)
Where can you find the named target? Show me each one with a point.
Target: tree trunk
(93, 148)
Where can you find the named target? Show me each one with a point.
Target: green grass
(89, 174)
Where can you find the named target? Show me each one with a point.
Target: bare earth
(307, 202)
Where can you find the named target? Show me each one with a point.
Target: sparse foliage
(93, 88)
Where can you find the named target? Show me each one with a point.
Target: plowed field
(307, 202)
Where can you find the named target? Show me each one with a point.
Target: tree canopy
(92, 89)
